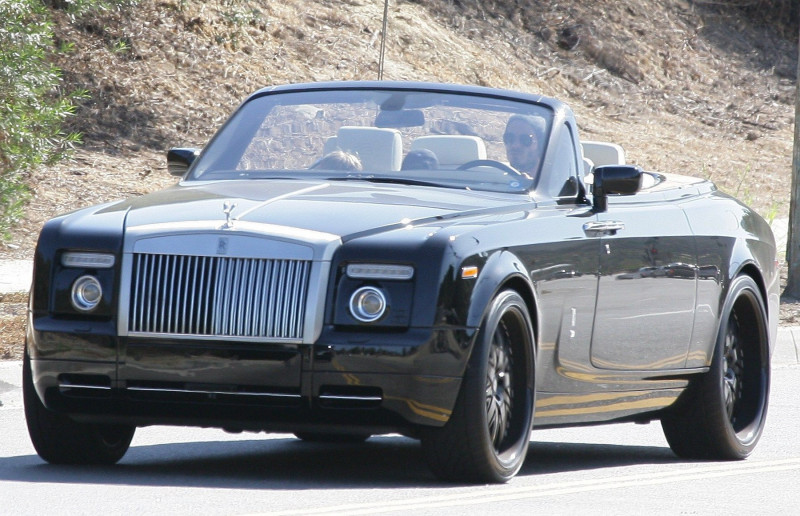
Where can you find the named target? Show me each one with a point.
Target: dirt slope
(685, 86)
(681, 86)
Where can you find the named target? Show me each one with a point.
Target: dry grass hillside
(685, 86)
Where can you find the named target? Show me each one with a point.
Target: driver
(522, 139)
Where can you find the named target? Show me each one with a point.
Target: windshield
(415, 137)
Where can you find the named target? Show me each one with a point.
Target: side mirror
(614, 179)
(180, 159)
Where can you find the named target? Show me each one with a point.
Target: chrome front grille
(218, 296)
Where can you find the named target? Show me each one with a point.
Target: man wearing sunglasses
(522, 136)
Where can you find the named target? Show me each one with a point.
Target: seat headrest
(452, 150)
(377, 148)
(603, 153)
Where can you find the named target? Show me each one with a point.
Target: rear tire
(487, 436)
(60, 440)
(722, 414)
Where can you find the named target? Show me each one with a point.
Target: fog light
(367, 304)
(86, 293)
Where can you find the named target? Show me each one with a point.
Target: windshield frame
(398, 99)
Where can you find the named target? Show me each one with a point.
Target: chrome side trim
(74, 386)
(205, 392)
(340, 397)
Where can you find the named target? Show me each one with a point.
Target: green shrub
(32, 108)
(79, 7)
(32, 105)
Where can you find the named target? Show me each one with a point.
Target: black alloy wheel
(722, 414)
(487, 436)
(733, 369)
(499, 387)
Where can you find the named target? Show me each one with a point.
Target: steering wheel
(490, 163)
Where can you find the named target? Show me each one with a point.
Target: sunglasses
(525, 140)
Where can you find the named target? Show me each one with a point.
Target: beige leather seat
(603, 153)
(452, 150)
(377, 148)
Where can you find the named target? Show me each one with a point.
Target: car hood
(342, 208)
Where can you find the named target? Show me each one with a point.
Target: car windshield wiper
(394, 180)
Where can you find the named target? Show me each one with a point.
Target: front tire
(722, 414)
(60, 440)
(487, 436)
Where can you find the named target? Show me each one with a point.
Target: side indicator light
(470, 272)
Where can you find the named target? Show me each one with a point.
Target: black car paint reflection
(504, 299)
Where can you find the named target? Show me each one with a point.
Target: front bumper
(375, 382)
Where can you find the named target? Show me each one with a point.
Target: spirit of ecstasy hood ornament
(227, 208)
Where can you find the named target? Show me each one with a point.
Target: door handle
(608, 227)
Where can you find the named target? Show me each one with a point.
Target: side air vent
(85, 385)
(349, 396)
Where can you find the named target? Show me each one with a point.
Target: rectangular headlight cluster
(87, 260)
(380, 271)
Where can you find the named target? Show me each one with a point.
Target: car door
(564, 271)
(647, 285)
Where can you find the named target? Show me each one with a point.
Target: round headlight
(86, 293)
(367, 304)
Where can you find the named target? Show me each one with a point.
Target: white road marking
(494, 494)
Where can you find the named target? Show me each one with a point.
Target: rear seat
(452, 150)
(596, 154)
(603, 153)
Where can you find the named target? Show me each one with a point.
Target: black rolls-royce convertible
(446, 262)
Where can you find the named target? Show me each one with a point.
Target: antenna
(383, 38)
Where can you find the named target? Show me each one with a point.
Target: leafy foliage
(80, 7)
(32, 105)
(31, 111)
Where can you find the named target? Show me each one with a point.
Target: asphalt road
(616, 469)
